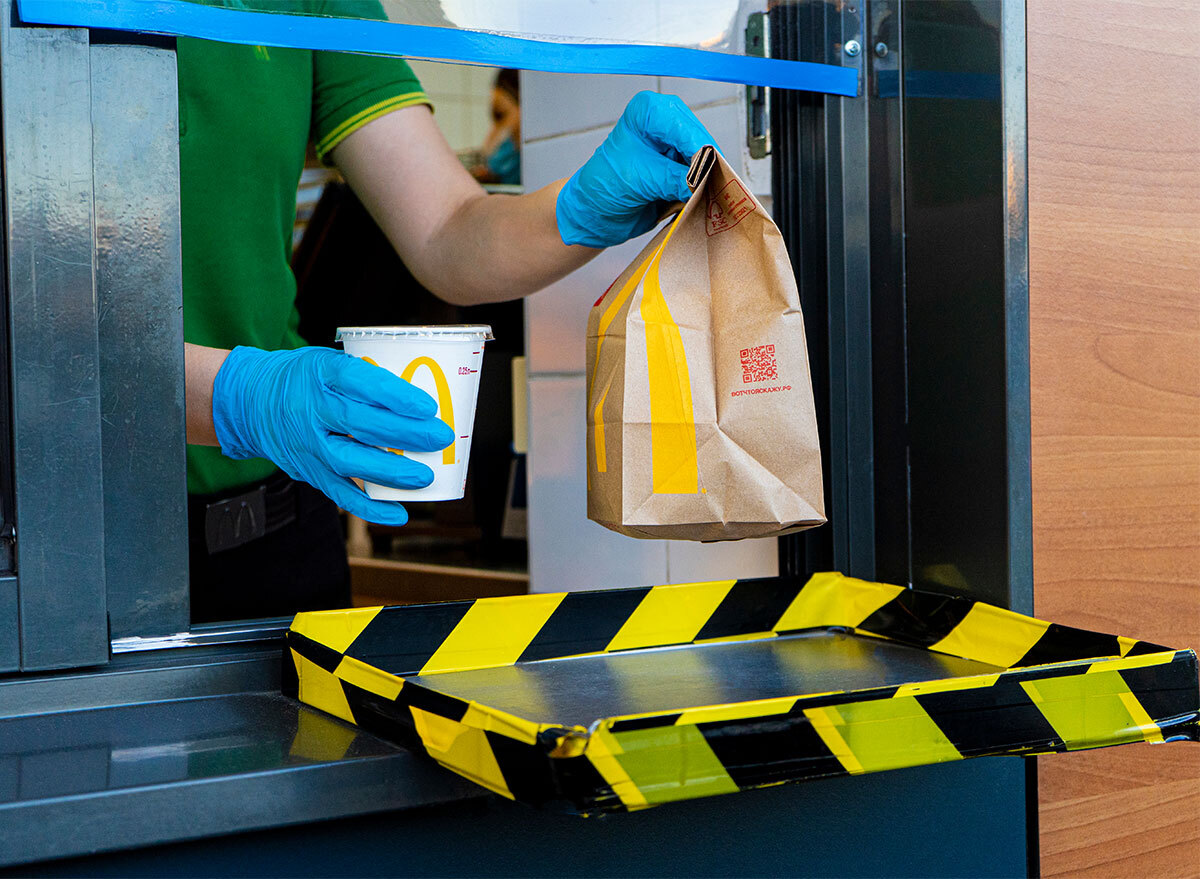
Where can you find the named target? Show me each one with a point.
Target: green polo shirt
(246, 114)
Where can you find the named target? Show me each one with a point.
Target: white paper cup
(444, 362)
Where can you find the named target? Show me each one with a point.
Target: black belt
(254, 512)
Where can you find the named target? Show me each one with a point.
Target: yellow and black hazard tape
(1058, 688)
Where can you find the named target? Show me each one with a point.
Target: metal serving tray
(623, 699)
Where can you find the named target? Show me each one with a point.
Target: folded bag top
(701, 424)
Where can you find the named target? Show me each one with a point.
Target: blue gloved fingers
(633, 208)
(667, 123)
(659, 179)
(354, 500)
(355, 378)
(619, 192)
(348, 457)
(284, 405)
(377, 426)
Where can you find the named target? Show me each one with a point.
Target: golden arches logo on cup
(445, 403)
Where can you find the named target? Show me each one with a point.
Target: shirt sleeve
(351, 90)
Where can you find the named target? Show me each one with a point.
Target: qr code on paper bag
(758, 364)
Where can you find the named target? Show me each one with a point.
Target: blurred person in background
(501, 150)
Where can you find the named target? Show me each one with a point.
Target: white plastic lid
(443, 333)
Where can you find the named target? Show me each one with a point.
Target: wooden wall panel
(1114, 210)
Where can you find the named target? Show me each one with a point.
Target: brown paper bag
(700, 409)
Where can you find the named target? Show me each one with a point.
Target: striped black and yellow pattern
(1058, 688)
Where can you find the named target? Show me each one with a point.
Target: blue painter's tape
(181, 18)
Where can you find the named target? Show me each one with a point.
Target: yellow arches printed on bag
(601, 452)
(445, 402)
(672, 421)
(674, 468)
(606, 319)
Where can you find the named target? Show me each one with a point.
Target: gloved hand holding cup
(444, 362)
(321, 416)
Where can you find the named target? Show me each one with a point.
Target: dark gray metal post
(10, 631)
(848, 186)
(44, 76)
(889, 318)
(967, 311)
(135, 142)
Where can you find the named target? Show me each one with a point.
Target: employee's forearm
(487, 248)
(499, 247)
(462, 244)
(200, 369)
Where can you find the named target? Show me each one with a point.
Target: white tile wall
(721, 120)
(548, 159)
(564, 118)
(690, 562)
(560, 103)
(567, 551)
(462, 99)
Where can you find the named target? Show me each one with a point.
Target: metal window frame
(53, 348)
(868, 287)
(94, 344)
(139, 286)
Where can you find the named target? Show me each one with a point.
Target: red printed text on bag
(727, 208)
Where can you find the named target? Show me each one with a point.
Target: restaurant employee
(272, 419)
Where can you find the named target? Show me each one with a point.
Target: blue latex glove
(642, 165)
(299, 409)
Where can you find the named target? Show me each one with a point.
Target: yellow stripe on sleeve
(362, 117)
